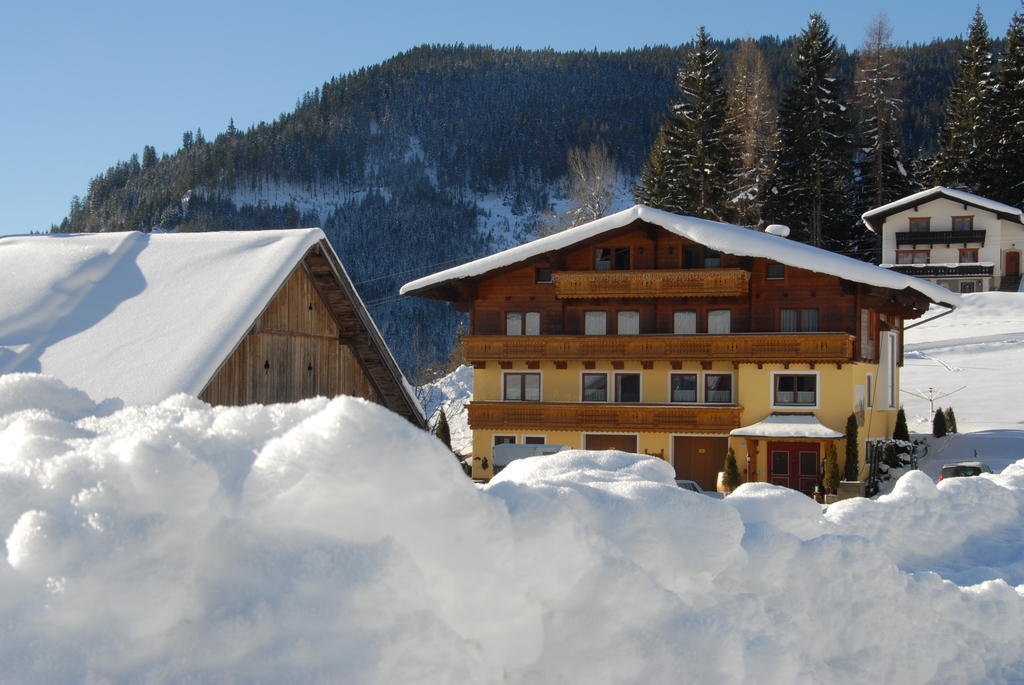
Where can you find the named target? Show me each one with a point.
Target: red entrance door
(794, 464)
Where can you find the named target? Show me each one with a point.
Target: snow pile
(332, 541)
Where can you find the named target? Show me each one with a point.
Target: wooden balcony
(599, 416)
(946, 238)
(736, 347)
(940, 270)
(652, 283)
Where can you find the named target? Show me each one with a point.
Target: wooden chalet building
(678, 337)
(233, 318)
(964, 242)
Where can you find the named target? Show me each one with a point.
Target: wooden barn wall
(292, 353)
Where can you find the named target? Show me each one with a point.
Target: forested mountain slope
(436, 156)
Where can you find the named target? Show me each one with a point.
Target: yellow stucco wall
(752, 388)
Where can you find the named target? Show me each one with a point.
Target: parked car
(964, 468)
(693, 486)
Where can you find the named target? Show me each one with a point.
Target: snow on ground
(975, 353)
(332, 541)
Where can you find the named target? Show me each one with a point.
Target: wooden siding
(291, 353)
(778, 347)
(594, 416)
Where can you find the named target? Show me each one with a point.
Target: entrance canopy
(784, 425)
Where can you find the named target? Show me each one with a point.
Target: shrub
(901, 432)
(851, 469)
(732, 479)
(830, 481)
(950, 420)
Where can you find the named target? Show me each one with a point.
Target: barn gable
(140, 317)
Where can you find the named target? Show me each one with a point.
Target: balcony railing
(940, 237)
(652, 283)
(737, 347)
(939, 270)
(595, 416)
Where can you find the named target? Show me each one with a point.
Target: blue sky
(86, 84)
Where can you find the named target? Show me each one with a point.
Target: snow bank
(332, 541)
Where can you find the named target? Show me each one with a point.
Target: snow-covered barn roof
(143, 316)
(725, 238)
(874, 218)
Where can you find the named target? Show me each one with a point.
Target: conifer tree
(851, 467)
(695, 157)
(753, 113)
(965, 138)
(901, 432)
(939, 423)
(950, 420)
(830, 479)
(732, 478)
(1005, 178)
(882, 174)
(809, 187)
(441, 430)
(653, 188)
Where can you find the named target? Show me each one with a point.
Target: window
(718, 388)
(870, 399)
(792, 320)
(683, 387)
(967, 286)
(607, 258)
(887, 367)
(627, 387)
(684, 323)
(514, 323)
(534, 439)
(629, 323)
(780, 462)
(544, 275)
(504, 439)
(595, 323)
(969, 255)
(712, 259)
(912, 257)
(522, 387)
(719, 321)
(532, 323)
(692, 257)
(920, 224)
(595, 387)
(775, 272)
(794, 389)
(808, 463)
(963, 223)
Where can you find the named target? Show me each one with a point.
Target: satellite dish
(778, 229)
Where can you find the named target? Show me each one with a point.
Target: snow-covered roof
(872, 218)
(725, 238)
(782, 425)
(139, 316)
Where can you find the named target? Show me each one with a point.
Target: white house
(964, 242)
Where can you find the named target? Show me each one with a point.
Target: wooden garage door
(699, 458)
(601, 441)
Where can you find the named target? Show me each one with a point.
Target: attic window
(775, 271)
(608, 258)
(543, 275)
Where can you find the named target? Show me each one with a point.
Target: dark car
(964, 468)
